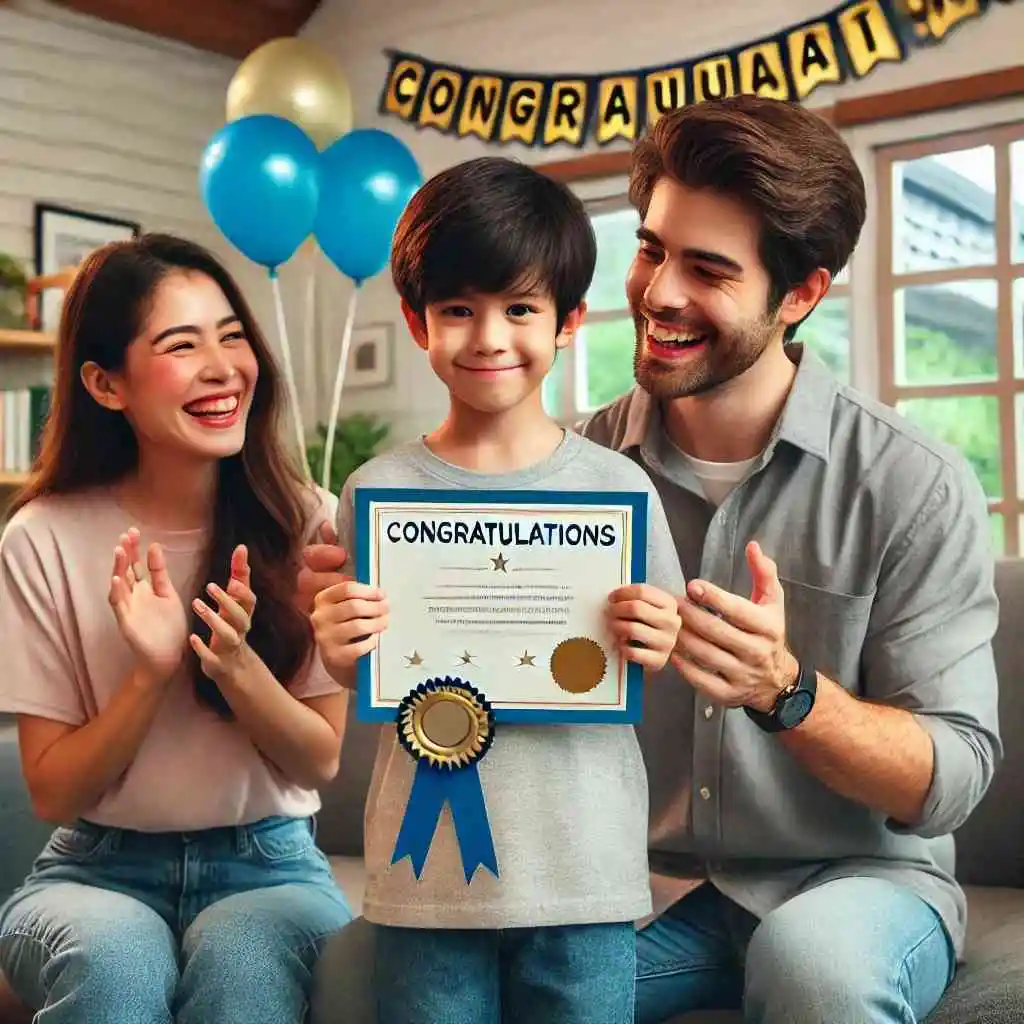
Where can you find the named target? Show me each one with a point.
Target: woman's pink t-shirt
(64, 658)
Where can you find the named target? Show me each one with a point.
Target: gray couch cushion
(990, 845)
(22, 835)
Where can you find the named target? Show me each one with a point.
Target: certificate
(504, 591)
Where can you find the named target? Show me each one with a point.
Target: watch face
(796, 709)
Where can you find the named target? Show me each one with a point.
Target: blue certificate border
(364, 497)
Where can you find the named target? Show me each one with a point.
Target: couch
(988, 989)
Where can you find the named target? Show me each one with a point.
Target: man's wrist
(786, 679)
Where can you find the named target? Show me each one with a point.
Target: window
(599, 366)
(951, 304)
(827, 329)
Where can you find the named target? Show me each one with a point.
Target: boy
(492, 261)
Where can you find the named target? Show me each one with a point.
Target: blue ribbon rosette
(447, 726)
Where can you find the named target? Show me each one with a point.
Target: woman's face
(189, 376)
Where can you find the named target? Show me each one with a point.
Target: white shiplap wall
(106, 119)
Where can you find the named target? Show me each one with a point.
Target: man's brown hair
(785, 163)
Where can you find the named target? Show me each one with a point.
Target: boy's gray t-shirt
(567, 804)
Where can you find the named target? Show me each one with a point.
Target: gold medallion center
(447, 725)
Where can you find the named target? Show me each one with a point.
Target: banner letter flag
(568, 109)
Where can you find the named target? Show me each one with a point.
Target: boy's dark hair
(784, 162)
(493, 225)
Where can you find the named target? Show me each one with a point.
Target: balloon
(293, 79)
(366, 179)
(259, 178)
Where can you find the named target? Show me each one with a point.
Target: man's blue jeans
(121, 927)
(572, 974)
(853, 951)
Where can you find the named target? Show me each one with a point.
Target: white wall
(113, 121)
(585, 36)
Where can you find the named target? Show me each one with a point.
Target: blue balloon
(259, 178)
(367, 178)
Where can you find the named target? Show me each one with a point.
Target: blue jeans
(852, 951)
(127, 927)
(579, 974)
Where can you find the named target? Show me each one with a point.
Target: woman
(182, 750)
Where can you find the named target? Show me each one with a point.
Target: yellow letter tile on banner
(762, 72)
(481, 107)
(565, 120)
(520, 113)
(440, 99)
(941, 15)
(617, 108)
(713, 79)
(666, 90)
(403, 87)
(868, 36)
(812, 58)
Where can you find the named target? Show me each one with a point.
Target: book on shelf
(22, 415)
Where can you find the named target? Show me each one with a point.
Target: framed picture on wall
(370, 356)
(64, 237)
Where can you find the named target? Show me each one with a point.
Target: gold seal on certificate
(507, 587)
(579, 664)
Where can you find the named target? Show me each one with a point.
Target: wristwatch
(792, 705)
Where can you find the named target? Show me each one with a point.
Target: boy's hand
(321, 567)
(646, 622)
(347, 621)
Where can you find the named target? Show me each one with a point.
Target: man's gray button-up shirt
(881, 536)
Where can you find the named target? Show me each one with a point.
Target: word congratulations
(494, 533)
(849, 41)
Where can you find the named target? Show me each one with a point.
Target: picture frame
(64, 236)
(370, 356)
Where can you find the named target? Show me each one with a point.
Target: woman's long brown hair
(259, 492)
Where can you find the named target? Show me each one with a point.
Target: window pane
(616, 247)
(1017, 220)
(946, 333)
(553, 390)
(998, 525)
(944, 210)
(827, 331)
(604, 362)
(968, 422)
(1018, 437)
(1018, 327)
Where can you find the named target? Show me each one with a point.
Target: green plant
(12, 292)
(356, 440)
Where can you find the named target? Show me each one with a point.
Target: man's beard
(726, 355)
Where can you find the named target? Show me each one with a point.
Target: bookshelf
(26, 341)
(23, 405)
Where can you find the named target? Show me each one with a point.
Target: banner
(849, 41)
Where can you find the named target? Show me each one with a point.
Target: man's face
(698, 293)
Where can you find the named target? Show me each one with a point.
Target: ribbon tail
(422, 813)
(469, 815)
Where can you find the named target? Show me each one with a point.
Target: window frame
(1007, 388)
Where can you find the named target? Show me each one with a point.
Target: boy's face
(493, 351)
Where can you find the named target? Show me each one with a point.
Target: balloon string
(309, 345)
(339, 380)
(289, 375)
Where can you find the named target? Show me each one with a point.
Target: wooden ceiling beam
(233, 28)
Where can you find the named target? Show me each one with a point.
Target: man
(839, 723)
